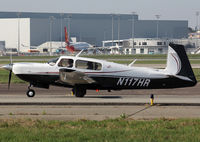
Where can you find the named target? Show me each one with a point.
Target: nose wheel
(30, 92)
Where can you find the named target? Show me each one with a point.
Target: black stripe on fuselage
(143, 83)
(113, 82)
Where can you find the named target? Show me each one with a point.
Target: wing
(73, 77)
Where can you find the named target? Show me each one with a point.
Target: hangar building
(37, 28)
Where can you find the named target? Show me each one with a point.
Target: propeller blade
(9, 80)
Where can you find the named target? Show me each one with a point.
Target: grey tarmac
(58, 104)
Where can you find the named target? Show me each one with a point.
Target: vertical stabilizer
(178, 63)
(68, 46)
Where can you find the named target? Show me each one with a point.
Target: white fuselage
(108, 69)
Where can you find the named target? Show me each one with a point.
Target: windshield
(53, 60)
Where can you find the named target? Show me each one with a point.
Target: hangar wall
(9, 33)
(91, 28)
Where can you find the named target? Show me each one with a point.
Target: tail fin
(178, 63)
(68, 46)
(66, 36)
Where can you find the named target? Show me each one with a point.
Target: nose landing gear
(30, 92)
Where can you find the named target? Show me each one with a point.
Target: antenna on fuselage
(132, 63)
(77, 55)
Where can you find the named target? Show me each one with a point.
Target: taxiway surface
(58, 104)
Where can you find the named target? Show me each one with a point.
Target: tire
(30, 93)
(79, 92)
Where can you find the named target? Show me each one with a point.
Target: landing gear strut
(79, 91)
(30, 92)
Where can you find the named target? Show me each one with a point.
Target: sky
(146, 9)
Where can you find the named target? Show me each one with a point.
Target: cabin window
(66, 63)
(81, 64)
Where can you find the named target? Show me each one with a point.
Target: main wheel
(79, 91)
(30, 93)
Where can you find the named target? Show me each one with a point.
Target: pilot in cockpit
(70, 63)
(66, 63)
(90, 65)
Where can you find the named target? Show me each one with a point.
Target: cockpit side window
(81, 64)
(66, 63)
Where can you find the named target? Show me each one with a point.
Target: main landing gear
(30, 92)
(79, 91)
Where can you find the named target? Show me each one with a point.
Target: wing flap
(73, 77)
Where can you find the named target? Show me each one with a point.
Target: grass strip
(117, 130)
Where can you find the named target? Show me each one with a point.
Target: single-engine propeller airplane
(83, 74)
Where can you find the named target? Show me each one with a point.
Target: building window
(159, 43)
(45, 50)
(139, 43)
(135, 43)
(150, 51)
(133, 51)
(126, 44)
(144, 43)
(142, 51)
(160, 50)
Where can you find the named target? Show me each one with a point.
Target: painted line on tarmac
(92, 104)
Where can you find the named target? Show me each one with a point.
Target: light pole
(18, 47)
(69, 25)
(51, 18)
(197, 28)
(133, 27)
(197, 24)
(104, 35)
(61, 28)
(118, 28)
(157, 17)
(112, 15)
